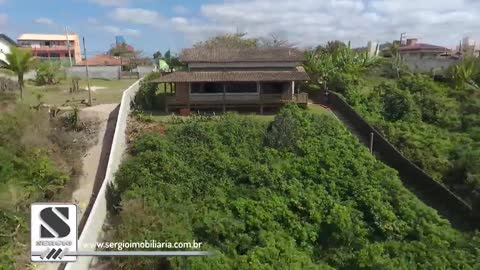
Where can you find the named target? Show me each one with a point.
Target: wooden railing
(301, 98)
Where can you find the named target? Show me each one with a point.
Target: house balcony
(236, 99)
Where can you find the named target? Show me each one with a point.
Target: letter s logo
(55, 222)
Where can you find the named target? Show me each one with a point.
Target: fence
(144, 70)
(94, 72)
(427, 189)
(93, 227)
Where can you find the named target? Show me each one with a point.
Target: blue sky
(152, 25)
(93, 20)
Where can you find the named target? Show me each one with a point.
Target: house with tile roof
(422, 50)
(226, 78)
(427, 58)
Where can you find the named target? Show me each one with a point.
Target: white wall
(94, 226)
(429, 64)
(95, 72)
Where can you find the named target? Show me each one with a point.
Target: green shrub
(49, 73)
(299, 193)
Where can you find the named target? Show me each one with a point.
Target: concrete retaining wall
(94, 72)
(426, 188)
(93, 227)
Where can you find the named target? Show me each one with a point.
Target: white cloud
(131, 32)
(110, 3)
(136, 16)
(44, 20)
(92, 21)
(180, 10)
(311, 22)
(119, 31)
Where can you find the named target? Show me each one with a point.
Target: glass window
(207, 88)
(273, 87)
(241, 87)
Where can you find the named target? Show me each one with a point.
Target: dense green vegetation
(434, 124)
(297, 193)
(37, 160)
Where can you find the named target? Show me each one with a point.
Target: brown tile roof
(226, 55)
(233, 76)
(102, 60)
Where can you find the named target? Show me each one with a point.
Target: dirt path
(93, 158)
(94, 162)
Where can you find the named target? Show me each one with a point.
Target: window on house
(273, 87)
(206, 88)
(241, 87)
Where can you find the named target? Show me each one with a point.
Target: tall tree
(167, 56)
(157, 55)
(20, 61)
(237, 41)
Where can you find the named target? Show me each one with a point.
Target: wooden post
(189, 92)
(293, 90)
(371, 142)
(224, 98)
(86, 68)
(68, 47)
(260, 100)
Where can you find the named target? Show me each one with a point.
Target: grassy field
(103, 92)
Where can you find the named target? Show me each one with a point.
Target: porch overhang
(232, 76)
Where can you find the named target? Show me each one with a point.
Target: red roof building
(413, 48)
(102, 60)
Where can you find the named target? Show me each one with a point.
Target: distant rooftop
(102, 60)
(50, 37)
(412, 45)
(8, 39)
(228, 55)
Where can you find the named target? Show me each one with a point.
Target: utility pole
(68, 47)
(86, 68)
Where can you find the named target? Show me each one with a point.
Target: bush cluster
(298, 193)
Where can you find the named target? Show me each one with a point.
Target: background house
(426, 58)
(5, 44)
(53, 47)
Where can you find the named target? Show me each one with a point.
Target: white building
(5, 44)
(372, 48)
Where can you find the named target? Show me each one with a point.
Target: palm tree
(20, 61)
(463, 74)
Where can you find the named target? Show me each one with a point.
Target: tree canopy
(297, 193)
